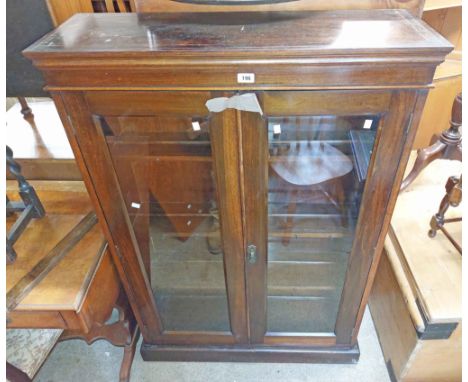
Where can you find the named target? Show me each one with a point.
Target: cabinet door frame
(77, 111)
(400, 112)
(237, 130)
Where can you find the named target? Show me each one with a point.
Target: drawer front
(36, 319)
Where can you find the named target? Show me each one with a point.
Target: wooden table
(80, 292)
(416, 298)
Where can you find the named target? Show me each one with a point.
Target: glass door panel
(316, 174)
(164, 166)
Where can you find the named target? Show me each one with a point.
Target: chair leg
(26, 111)
(452, 198)
(289, 223)
(341, 198)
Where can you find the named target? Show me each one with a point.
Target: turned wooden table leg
(129, 354)
(126, 314)
(124, 332)
(26, 111)
(447, 145)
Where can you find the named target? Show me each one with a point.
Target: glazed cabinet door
(165, 174)
(239, 227)
(319, 173)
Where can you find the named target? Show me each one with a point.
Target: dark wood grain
(225, 142)
(123, 245)
(255, 188)
(306, 34)
(249, 354)
(358, 49)
(165, 66)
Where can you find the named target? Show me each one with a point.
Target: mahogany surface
(348, 33)
(160, 70)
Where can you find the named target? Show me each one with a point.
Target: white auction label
(245, 78)
(276, 129)
(136, 205)
(367, 124)
(196, 126)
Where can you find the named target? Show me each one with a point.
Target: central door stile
(254, 172)
(226, 154)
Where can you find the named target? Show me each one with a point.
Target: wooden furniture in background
(416, 301)
(33, 139)
(341, 71)
(447, 145)
(445, 17)
(452, 198)
(42, 150)
(61, 11)
(79, 292)
(414, 6)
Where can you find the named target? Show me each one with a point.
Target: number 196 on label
(245, 78)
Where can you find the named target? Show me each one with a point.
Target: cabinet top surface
(321, 33)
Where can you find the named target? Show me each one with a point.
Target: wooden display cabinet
(250, 232)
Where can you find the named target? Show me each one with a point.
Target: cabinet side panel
(411, 133)
(100, 179)
(388, 162)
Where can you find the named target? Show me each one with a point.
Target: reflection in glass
(165, 172)
(317, 170)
